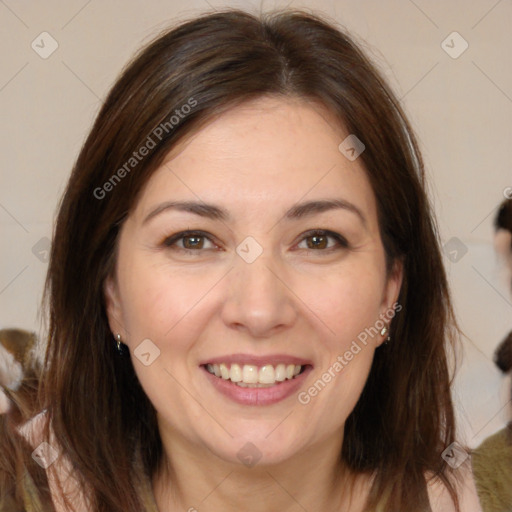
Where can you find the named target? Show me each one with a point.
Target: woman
(248, 307)
(492, 460)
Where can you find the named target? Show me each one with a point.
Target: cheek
(347, 303)
(157, 303)
(348, 306)
(165, 308)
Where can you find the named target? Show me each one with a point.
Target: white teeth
(249, 375)
(244, 385)
(280, 372)
(267, 374)
(224, 371)
(235, 374)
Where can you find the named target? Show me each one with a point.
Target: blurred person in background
(492, 460)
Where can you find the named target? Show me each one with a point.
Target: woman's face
(284, 272)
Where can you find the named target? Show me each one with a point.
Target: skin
(256, 161)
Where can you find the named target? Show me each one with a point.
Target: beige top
(61, 480)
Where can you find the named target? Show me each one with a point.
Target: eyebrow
(297, 211)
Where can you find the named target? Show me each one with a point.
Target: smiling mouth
(253, 376)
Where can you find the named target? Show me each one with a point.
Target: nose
(259, 301)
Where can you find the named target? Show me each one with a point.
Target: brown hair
(20, 344)
(98, 410)
(503, 354)
(503, 219)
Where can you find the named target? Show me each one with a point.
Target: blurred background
(449, 63)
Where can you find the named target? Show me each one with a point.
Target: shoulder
(49, 455)
(440, 498)
(492, 466)
(494, 446)
(33, 429)
(18, 490)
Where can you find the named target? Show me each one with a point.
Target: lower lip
(257, 396)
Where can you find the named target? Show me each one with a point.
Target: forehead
(258, 156)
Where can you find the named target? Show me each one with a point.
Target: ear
(389, 304)
(393, 285)
(113, 306)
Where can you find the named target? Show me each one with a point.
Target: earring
(119, 345)
(383, 332)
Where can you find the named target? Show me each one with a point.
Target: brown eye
(189, 241)
(320, 240)
(193, 242)
(317, 242)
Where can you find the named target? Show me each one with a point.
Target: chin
(255, 450)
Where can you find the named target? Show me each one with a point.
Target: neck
(192, 478)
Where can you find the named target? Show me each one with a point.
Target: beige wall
(461, 108)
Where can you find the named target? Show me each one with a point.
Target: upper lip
(273, 359)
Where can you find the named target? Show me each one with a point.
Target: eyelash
(341, 242)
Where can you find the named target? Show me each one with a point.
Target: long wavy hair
(96, 406)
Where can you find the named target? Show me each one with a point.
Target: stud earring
(383, 332)
(119, 345)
